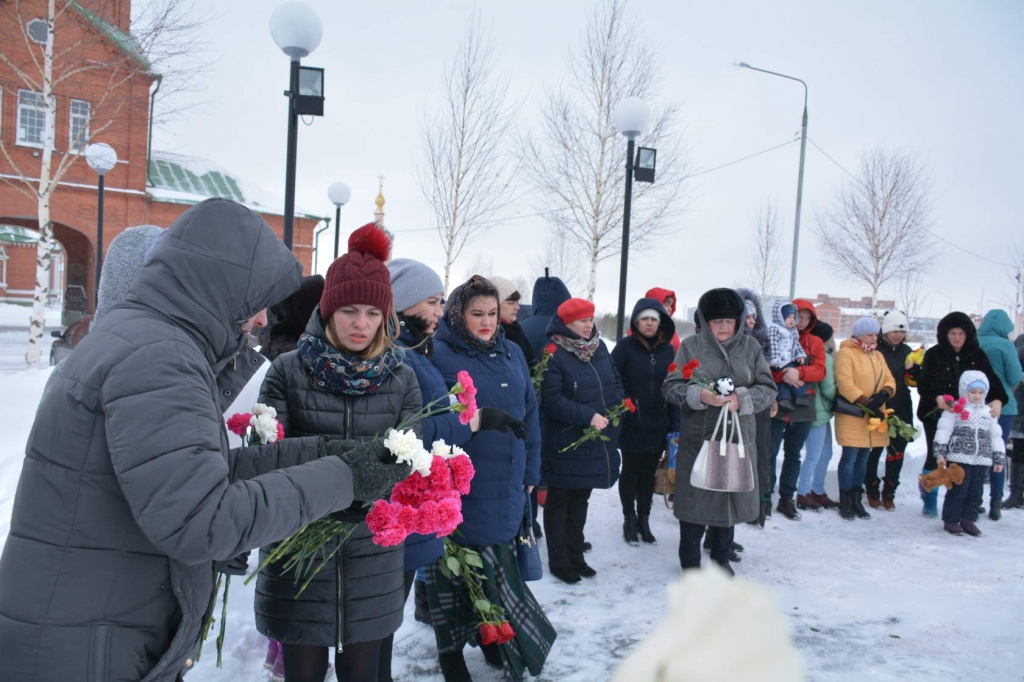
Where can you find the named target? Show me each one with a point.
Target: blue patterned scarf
(343, 373)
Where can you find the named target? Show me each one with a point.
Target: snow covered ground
(892, 598)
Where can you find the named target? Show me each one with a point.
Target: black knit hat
(720, 304)
(823, 330)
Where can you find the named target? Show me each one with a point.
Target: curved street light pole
(800, 176)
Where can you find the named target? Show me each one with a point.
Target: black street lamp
(631, 117)
(101, 158)
(339, 194)
(297, 30)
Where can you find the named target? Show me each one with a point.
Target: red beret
(575, 309)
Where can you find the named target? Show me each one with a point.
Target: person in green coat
(810, 486)
(994, 339)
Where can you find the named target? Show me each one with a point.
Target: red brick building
(143, 188)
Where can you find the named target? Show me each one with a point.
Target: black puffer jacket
(760, 330)
(942, 366)
(642, 364)
(896, 358)
(371, 587)
(108, 569)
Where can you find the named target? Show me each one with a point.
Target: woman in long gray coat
(345, 378)
(721, 352)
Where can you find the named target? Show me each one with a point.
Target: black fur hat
(721, 304)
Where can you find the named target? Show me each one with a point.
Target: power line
(726, 165)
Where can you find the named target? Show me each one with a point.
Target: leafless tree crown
(875, 231)
(466, 174)
(577, 161)
(767, 249)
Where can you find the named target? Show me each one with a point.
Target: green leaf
(483, 606)
(454, 565)
(474, 560)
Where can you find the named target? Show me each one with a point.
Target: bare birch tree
(876, 230)
(577, 161)
(909, 296)
(767, 235)
(561, 258)
(467, 173)
(94, 64)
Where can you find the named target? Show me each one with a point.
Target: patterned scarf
(867, 347)
(584, 349)
(343, 373)
(455, 316)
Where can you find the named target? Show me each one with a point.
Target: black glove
(237, 566)
(493, 419)
(374, 470)
(877, 400)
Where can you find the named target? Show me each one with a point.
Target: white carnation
(260, 409)
(457, 451)
(421, 462)
(266, 427)
(406, 447)
(440, 448)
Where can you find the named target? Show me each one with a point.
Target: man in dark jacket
(790, 429)
(121, 511)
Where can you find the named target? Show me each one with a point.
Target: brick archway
(79, 258)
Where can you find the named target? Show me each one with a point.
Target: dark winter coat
(289, 318)
(896, 358)
(372, 585)
(493, 510)
(108, 569)
(993, 337)
(760, 330)
(571, 393)
(548, 294)
(742, 359)
(942, 366)
(421, 550)
(642, 364)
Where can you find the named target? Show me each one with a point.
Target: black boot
(643, 526)
(788, 509)
(846, 505)
(492, 655)
(857, 495)
(453, 667)
(422, 612)
(995, 509)
(1016, 479)
(629, 529)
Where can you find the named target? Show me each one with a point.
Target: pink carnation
(467, 397)
(406, 518)
(238, 423)
(427, 520)
(280, 431)
(462, 472)
(384, 522)
(411, 491)
(965, 415)
(449, 516)
(380, 516)
(948, 398)
(391, 536)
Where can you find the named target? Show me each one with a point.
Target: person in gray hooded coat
(722, 351)
(120, 512)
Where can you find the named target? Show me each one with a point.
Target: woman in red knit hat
(580, 386)
(346, 378)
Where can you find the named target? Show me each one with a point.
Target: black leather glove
(877, 400)
(237, 566)
(374, 470)
(493, 419)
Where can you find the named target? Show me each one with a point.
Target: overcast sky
(939, 78)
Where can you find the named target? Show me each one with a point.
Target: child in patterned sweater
(786, 351)
(968, 435)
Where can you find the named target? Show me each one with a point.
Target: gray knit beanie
(412, 282)
(126, 254)
(864, 325)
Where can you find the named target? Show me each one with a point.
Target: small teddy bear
(724, 386)
(945, 476)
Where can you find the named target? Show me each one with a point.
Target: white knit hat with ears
(895, 321)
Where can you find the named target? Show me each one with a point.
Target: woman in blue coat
(642, 359)
(506, 456)
(580, 386)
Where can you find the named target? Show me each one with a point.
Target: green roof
(166, 173)
(124, 41)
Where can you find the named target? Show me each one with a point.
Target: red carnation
(238, 423)
(689, 368)
(550, 349)
(462, 472)
(965, 415)
(948, 398)
(280, 431)
(449, 516)
(426, 520)
(505, 632)
(488, 633)
(629, 404)
(380, 516)
(672, 367)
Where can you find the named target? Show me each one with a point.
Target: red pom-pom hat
(360, 277)
(575, 309)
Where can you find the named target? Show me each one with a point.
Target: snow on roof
(181, 179)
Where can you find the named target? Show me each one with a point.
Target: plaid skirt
(456, 622)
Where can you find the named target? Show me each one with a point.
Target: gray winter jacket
(741, 359)
(368, 599)
(128, 490)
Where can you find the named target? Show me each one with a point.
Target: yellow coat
(860, 375)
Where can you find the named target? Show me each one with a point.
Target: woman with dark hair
(722, 351)
(957, 350)
(506, 457)
(642, 359)
(580, 386)
(347, 379)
